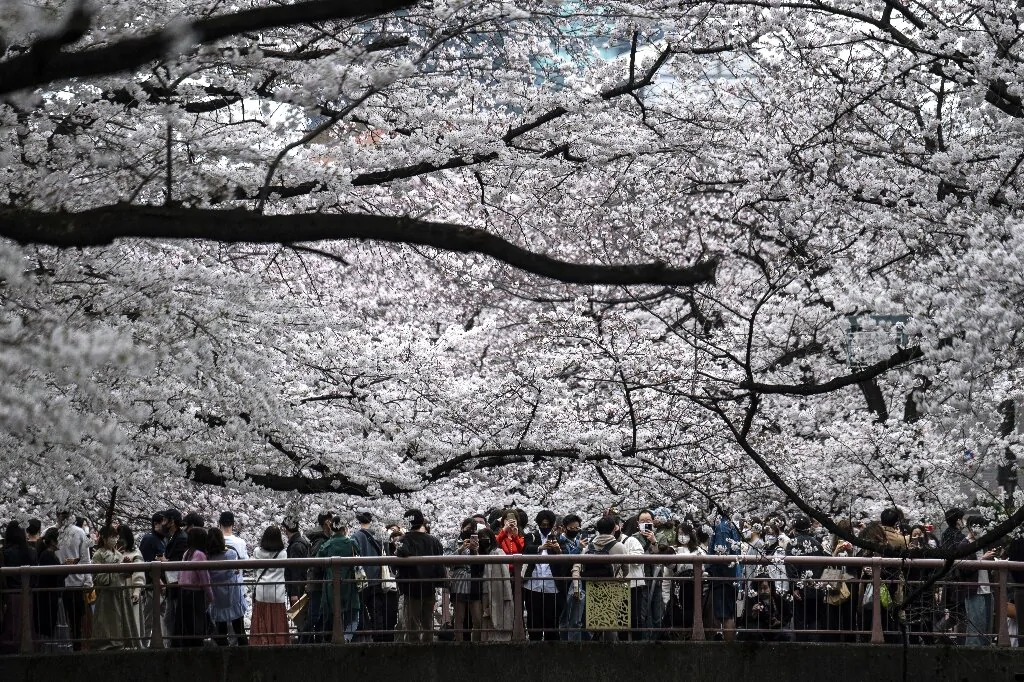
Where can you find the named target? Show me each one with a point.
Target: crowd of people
(773, 600)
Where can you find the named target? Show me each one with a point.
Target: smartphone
(648, 527)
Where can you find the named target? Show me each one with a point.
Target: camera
(648, 527)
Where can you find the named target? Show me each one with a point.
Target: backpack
(599, 570)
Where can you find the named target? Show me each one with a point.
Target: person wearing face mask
(680, 602)
(765, 612)
(542, 593)
(113, 605)
(570, 622)
(496, 592)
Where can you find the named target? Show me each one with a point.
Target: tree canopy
(456, 253)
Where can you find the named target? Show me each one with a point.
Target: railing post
(1003, 638)
(26, 611)
(156, 636)
(337, 625)
(698, 602)
(876, 604)
(518, 627)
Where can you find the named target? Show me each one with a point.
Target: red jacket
(510, 544)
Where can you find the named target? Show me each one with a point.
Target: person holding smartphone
(641, 542)
(543, 591)
(510, 539)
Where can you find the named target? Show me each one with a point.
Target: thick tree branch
(100, 226)
(328, 482)
(867, 374)
(36, 68)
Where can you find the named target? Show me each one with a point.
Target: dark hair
(50, 537)
(271, 541)
(686, 529)
(127, 537)
(468, 523)
(215, 542)
(34, 526)
(416, 519)
(486, 534)
(801, 524)
(890, 517)
(364, 517)
(569, 519)
(290, 524)
(642, 512)
(194, 519)
(545, 515)
(14, 535)
(954, 515)
(226, 519)
(156, 518)
(197, 538)
(321, 519)
(108, 532)
(976, 521)
(174, 516)
(605, 525)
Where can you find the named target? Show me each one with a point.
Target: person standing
(418, 583)
(176, 546)
(340, 545)
(73, 549)
(196, 592)
(373, 599)
(16, 552)
(639, 543)
(570, 622)
(151, 547)
(269, 619)
(298, 548)
(226, 523)
(227, 610)
(50, 586)
(135, 584)
(113, 606)
(315, 582)
(540, 591)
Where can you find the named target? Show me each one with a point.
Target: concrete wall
(565, 662)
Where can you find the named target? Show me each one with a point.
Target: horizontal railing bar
(514, 559)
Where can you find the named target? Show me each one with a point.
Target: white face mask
(770, 539)
(685, 539)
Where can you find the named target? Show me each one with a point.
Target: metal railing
(869, 619)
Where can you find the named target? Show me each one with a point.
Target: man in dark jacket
(176, 545)
(373, 600)
(418, 583)
(312, 632)
(298, 548)
(151, 546)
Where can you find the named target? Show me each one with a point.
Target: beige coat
(497, 602)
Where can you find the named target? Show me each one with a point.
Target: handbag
(836, 590)
(387, 578)
(297, 612)
(359, 574)
(362, 582)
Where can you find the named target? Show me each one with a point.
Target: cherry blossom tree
(453, 254)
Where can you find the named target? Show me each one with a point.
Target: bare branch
(100, 226)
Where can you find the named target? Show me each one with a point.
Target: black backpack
(596, 570)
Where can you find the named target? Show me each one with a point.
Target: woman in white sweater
(269, 619)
